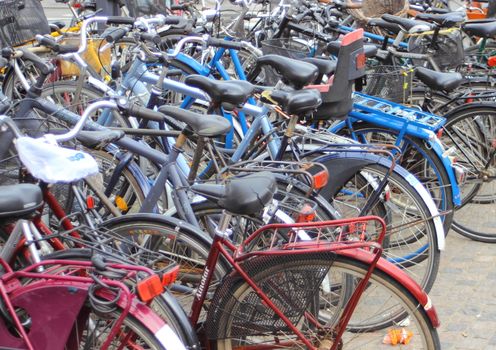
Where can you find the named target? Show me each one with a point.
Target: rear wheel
(243, 320)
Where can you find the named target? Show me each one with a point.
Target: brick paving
(465, 294)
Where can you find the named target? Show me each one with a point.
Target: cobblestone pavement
(464, 294)
(465, 290)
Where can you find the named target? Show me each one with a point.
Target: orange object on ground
(397, 336)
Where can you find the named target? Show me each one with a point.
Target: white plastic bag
(51, 163)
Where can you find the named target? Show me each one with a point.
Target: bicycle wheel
(471, 133)
(411, 233)
(177, 242)
(239, 319)
(420, 160)
(95, 328)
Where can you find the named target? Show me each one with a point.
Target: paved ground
(465, 291)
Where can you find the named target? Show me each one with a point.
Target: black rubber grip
(68, 48)
(145, 113)
(224, 43)
(152, 38)
(172, 20)
(181, 7)
(115, 34)
(45, 68)
(120, 20)
(48, 42)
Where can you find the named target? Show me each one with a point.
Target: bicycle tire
(431, 173)
(240, 305)
(473, 129)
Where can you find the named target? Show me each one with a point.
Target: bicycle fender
(400, 277)
(437, 146)
(468, 106)
(148, 318)
(161, 219)
(343, 165)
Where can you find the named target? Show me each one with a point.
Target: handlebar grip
(68, 48)
(48, 42)
(120, 20)
(224, 43)
(152, 38)
(180, 7)
(45, 68)
(145, 113)
(173, 20)
(115, 34)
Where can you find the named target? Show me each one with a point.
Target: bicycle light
(170, 276)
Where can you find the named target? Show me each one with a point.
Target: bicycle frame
(47, 291)
(359, 250)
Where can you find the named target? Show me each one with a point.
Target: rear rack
(395, 116)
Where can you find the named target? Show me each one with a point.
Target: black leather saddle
(244, 195)
(298, 102)
(206, 125)
(324, 65)
(392, 28)
(19, 200)
(234, 92)
(293, 72)
(446, 20)
(99, 139)
(483, 29)
(405, 23)
(438, 80)
(333, 47)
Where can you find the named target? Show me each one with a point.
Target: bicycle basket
(389, 82)
(21, 21)
(448, 55)
(147, 7)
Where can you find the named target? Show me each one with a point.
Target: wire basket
(449, 53)
(147, 7)
(287, 47)
(21, 21)
(389, 82)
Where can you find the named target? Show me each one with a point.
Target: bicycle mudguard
(343, 165)
(438, 148)
(400, 277)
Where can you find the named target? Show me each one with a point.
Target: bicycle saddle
(406, 23)
(483, 29)
(244, 195)
(99, 139)
(324, 65)
(447, 20)
(369, 50)
(297, 102)
(19, 200)
(206, 125)
(439, 80)
(294, 73)
(388, 26)
(234, 92)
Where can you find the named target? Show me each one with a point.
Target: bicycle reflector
(306, 214)
(149, 288)
(170, 276)
(491, 61)
(320, 179)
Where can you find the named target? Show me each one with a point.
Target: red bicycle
(287, 292)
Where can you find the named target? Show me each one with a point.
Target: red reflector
(491, 61)
(320, 179)
(90, 202)
(440, 133)
(149, 288)
(170, 276)
(361, 60)
(306, 214)
(77, 6)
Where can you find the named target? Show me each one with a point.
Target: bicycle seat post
(222, 230)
